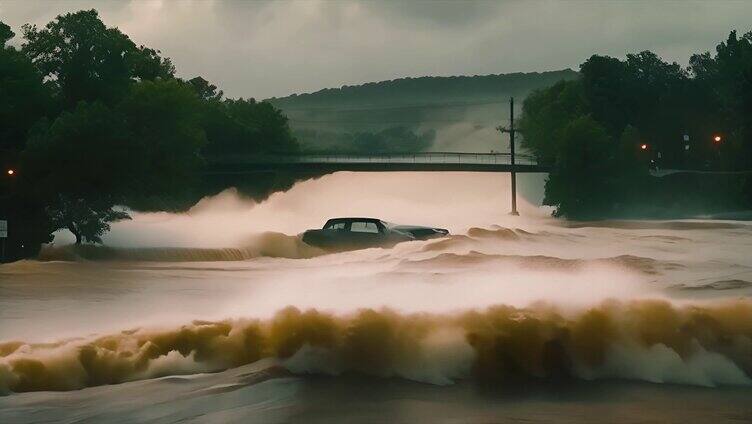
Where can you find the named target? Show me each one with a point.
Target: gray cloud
(274, 48)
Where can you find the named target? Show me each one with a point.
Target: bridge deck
(430, 161)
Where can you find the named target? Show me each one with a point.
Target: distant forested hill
(411, 114)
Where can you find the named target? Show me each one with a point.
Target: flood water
(224, 315)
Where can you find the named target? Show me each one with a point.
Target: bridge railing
(423, 157)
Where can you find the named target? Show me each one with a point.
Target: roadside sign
(3, 229)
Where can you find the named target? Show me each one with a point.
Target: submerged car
(359, 233)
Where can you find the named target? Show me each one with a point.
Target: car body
(360, 233)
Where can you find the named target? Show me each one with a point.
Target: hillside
(428, 113)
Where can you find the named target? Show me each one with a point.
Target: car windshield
(364, 227)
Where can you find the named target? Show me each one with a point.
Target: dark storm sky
(264, 48)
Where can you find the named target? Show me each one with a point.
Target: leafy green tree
(165, 130)
(87, 220)
(545, 113)
(147, 65)
(82, 153)
(95, 157)
(103, 127)
(80, 165)
(88, 61)
(247, 127)
(24, 98)
(726, 76)
(583, 182)
(608, 90)
(5, 33)
(205, 90)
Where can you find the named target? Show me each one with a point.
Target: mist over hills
(456, 113)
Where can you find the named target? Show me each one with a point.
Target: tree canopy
(88, 61)
(640, 112)
(97, 126)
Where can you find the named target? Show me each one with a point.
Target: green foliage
(95, 157)
(147, 65)
(5, 33)
(246, 127)
(82, 153)
(24, 98)
(80, 166)
(204, 89)
(423, 90)
(582, 184)
(546, 113)
(88, 61)
(165, 134)
(87, 220)
(111, 128)
(619, 105)
(727, 77)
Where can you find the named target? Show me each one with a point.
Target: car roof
(354, 219)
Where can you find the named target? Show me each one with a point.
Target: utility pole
(511, 132)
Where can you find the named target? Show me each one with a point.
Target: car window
(336, 226)
(364, 227)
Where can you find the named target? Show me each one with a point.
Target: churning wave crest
(645, 340)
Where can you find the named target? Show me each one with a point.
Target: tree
(88, 61)
(84, 153)
(545, 112)
(87, 220)
(5, 33)
(726, 78)
(609, 92)
(147, 65)
(164, 122)
(247, 127)
(24, 98)
(80, 167)
(205, 90)
(103, 127)
(584, 180)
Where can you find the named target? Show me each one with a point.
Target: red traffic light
(11, 172)
(643, 146)
(717, 138)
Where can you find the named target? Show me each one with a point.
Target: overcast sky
(275, 48)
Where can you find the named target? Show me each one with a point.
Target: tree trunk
(72, 228)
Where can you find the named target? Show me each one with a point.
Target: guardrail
(426, 157)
